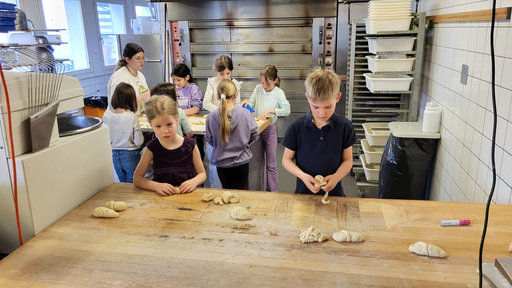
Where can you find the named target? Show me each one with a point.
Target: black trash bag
(96, 101)
(405, 168)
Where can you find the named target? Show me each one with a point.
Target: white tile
(479, 195)
(470, 189)
(506, 168)
(507, 71)
(481, 37)
(471, 114)
(508, 138)
(501, 41)
(463, 180)
(480, 118)
(508, 46)
(468, 137)
(464, 106)
(456, 104)
(466, 89)
(486, 68)
(473, 34)
(465, 33)
(466, 157)
(489, 120)
(477, 69)
(477, 143)
(460, 196)
(462, 130)
(501, 132)
(500, 62)
(456, 174)
(503, 191)
(473, 167)
(498, 157)
(475, 89)
(481, 178)
(485, 151)
(504, 98)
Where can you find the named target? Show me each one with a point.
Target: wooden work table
(181, 241)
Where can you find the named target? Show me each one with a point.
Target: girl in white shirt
(268, 100)
(223, 67)
(125, 135)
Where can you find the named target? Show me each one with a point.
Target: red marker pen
(455, 222)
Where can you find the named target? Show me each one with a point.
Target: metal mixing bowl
(71, 125)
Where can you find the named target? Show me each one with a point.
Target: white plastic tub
(373, 155)
(371, 172)
(389, 65)
(375, 133)
(375, 25)
(404, 44)
(387, 82)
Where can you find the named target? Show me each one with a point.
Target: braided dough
(312, 235)
(422, 248)
(218, 201)
(240, 213)
(348, 236)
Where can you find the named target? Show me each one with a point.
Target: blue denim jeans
(125, 162)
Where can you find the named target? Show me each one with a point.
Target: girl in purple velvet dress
(176, 160)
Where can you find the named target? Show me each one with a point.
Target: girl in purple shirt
(229, 130)
(190, 97)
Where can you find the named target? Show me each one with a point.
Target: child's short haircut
(165, 89)
(322, 85)
(159, 105)
(124, 97)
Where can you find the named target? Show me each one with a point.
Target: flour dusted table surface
(181, 241)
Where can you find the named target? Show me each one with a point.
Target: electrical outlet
(464, 74)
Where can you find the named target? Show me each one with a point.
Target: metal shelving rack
(365, 106)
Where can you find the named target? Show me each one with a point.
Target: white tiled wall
(462, 170)
(95, 86)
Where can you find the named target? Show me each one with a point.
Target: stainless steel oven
(295, 36)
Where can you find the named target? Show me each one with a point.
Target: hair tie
(222, 96)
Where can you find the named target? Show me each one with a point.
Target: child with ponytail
(229, 130)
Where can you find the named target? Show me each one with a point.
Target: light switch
(329, 33)
(328, 60)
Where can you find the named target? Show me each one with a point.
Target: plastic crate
(386, 24)
(387, 44)
(8, 6)
(371, 172)
(387, 82)
(7, 22)
(372, 155)
(7, 27)
(389, 65)
(8, 14)
(376, 133)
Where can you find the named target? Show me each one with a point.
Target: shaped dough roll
(312, 235)
(116, 206)
(229, 197)
(104, 212)
(218, 201)
(240, 213)
(348, 236)
(208, 197)
(422, 248)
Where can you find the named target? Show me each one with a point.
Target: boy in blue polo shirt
(320, 143)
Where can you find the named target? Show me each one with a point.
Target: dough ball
(240, 213)
(218, 201)
(348, 236)
(104, 212)
(510, 247)
(422, 248)
(204, 116)
(208, 197)
(312, 235)
(116, 206)
(229, 197)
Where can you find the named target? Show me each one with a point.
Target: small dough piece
(422, 248)
(116, 206)
(510, 247)
(202, 121)
(218, 201)
(204, 116)
(104, 212)
(207, 197)
(240, 213)
(177, 190)
(229, 197)
(348, 236)
(319, 178)
(312, 235)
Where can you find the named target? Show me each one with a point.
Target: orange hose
(15, 178)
